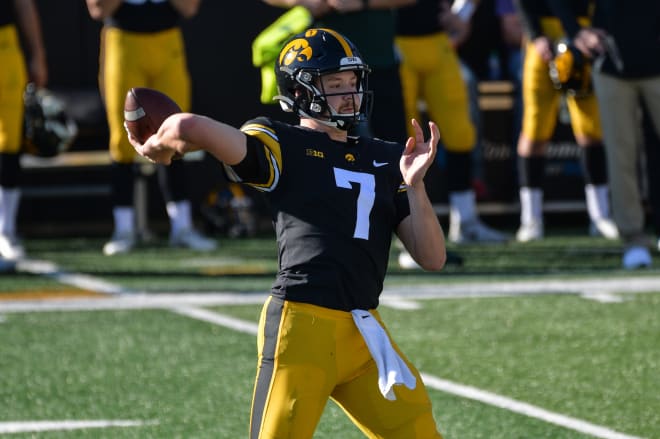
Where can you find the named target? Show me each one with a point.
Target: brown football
(145, 109)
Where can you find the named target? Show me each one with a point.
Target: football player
(335, 201)
(142, 46)
(16, 16)
(546, 24)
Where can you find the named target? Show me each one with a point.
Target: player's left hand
(343, 6)
(418, 154)
(590, 41)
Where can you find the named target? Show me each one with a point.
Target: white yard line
(82, 281)
(215, 318)
(34, 426)
(605, 289)
(495, 288)
(522, 407)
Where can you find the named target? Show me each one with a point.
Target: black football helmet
(48, 130)
(303, 59)
(570, 70)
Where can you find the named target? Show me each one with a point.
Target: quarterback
(335, 202)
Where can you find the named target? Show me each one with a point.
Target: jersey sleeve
(262, 166)
(401, 202)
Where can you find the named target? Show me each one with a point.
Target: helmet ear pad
(310, 101)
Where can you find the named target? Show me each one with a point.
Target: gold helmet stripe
(342, 41)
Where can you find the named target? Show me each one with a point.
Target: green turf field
(541, 340)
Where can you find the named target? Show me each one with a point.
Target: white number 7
(366, 197)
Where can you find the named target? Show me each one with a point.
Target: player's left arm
(420, 231)
(102, 9)
(187, 8)
(30, 27)
(344, 6)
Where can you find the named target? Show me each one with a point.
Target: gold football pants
(430, 71)
(13, 78)
(541, 99)
(308, 354)
(129, 59)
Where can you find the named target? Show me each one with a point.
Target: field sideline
(407, 302)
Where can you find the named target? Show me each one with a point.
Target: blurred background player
(511, 32)
(142, 46)
(430, 71)
(546, 22)
(16, 16)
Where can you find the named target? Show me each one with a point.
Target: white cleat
(120, 243)
(474, 232)
(190, 238)
(530, 232)
(604, 227)
(11, 248)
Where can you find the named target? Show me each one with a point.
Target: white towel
(392, 370)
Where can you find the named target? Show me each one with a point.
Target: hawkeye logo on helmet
(296, 50)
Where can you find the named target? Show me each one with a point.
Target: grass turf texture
(582, 358)
(593, 361)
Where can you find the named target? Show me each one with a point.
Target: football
(145, 109)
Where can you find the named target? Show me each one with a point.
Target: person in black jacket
(625, 40)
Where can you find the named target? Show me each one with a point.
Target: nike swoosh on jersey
(379, 164)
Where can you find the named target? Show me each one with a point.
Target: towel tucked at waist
(392, 370)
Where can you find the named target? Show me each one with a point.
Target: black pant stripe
(266, 367)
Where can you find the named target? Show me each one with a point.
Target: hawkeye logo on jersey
(296, 50)
(350, 158)
(314, 153)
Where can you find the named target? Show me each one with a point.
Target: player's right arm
(186, 132)
(317, 8)
(30, 25)
(530, 17)
(102, 9)
(187, 8)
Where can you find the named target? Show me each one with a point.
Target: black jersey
(7, 14)
(145, 16)
(531, 11)
(334, 205)
(421, 18)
